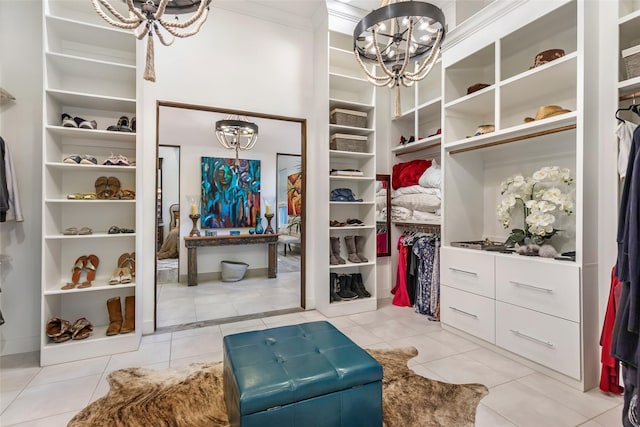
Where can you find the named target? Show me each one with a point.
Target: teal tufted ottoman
(301, 375)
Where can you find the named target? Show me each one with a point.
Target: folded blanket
(418, 202)
(416, 189)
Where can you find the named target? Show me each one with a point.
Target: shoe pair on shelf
(85, 159)
(124, 125)
(404, 140)
(78, 122)
(82, 196)
(118, 160)
(126, 269)
(349, 221)
(107, 187)
(61, 330)
(74, 230)
(84, 263)
(118, 324)
(116, 230)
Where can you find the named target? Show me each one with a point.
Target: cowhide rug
(192, 397)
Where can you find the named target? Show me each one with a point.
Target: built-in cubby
(89, 73)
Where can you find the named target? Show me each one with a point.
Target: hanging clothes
(626, 330)
(610, 371)
(428, 287)
(10, 209)
(399, 291)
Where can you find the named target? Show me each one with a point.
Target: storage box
(340, 116)
(631, 58)
(348, 142)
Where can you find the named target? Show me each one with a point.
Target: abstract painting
(230, 193)
(294, 194)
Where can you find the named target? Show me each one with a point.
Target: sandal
(113, 230)
(84, 231)
(125, 195)
(120, 275)
(56, 327)
(68, 121)
(88, 160)
(70, 231)
(77, 270)
(111, 160)
(81, 329)
(82, 196)
(101, 186)
(113, 184)
(72, 158)
(91, 266)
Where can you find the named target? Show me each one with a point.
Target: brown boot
(335, 249)
(351, 249)
(129, 323)
(360, 248)
(115, 316)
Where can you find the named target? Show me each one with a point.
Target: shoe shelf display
(89, 183)
(351, 284)
(535, 101)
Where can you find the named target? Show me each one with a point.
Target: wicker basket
(348, 142)
(342, 117)
(631, 58)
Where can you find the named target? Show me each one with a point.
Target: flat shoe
(68, 121)
(75, 276)
(114, 185)
(101, 186)
(113, 230)
(72, 158)
(85, 230)
(91, 266)
(56, 327)
(85, 124)
(70, 231)
(88, 160)
(81, 329)
(62, 338)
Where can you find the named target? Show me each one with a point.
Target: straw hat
(547, 111)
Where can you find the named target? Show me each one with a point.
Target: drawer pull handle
(464, 312)
(535, 288)
(530, 338)
(457, 270)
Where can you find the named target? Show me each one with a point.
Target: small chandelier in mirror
(392, 36)
(236, 133)
(146, 17)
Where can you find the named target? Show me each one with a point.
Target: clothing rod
(418, 227)
(630, 96)
(514, 139)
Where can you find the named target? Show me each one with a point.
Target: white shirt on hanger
(624, 132)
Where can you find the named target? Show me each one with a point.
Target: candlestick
(194, 231)
(268, 230)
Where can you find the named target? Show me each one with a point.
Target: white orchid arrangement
(541, 199)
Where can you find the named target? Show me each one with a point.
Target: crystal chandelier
(146, 17)
(236, 133)
(395, 34)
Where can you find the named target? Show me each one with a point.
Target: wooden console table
(193, 243)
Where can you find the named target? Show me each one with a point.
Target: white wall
(235, 62)
(170, 182)
(21, 128)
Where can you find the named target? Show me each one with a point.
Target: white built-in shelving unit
(534, 309)
(350, 90)
(89, 72)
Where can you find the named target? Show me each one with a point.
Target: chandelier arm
(133, 10)
(423, 74)
(433, 56)
(160, 10)
(126, 23)
(143, 32)
(166, 42)
(407, 53)
(381, 63)
(202, 9)
(372, 77)
(172, 29)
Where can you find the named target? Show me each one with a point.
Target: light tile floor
(49, 397)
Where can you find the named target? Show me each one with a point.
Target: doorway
(168, 215)
(190, 129)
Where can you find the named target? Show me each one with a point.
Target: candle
(268, 209)
(194, 210)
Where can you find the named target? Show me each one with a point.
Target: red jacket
(610, 374)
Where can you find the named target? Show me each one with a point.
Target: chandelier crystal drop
(394, 35)
(236, 133)
(146, 17)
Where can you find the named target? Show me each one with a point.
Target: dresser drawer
(541, 285)
(468, 270)
(547, 340)
(470, 313)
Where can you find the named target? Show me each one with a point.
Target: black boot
(333, 288)
(345, 288)
(358, 285)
